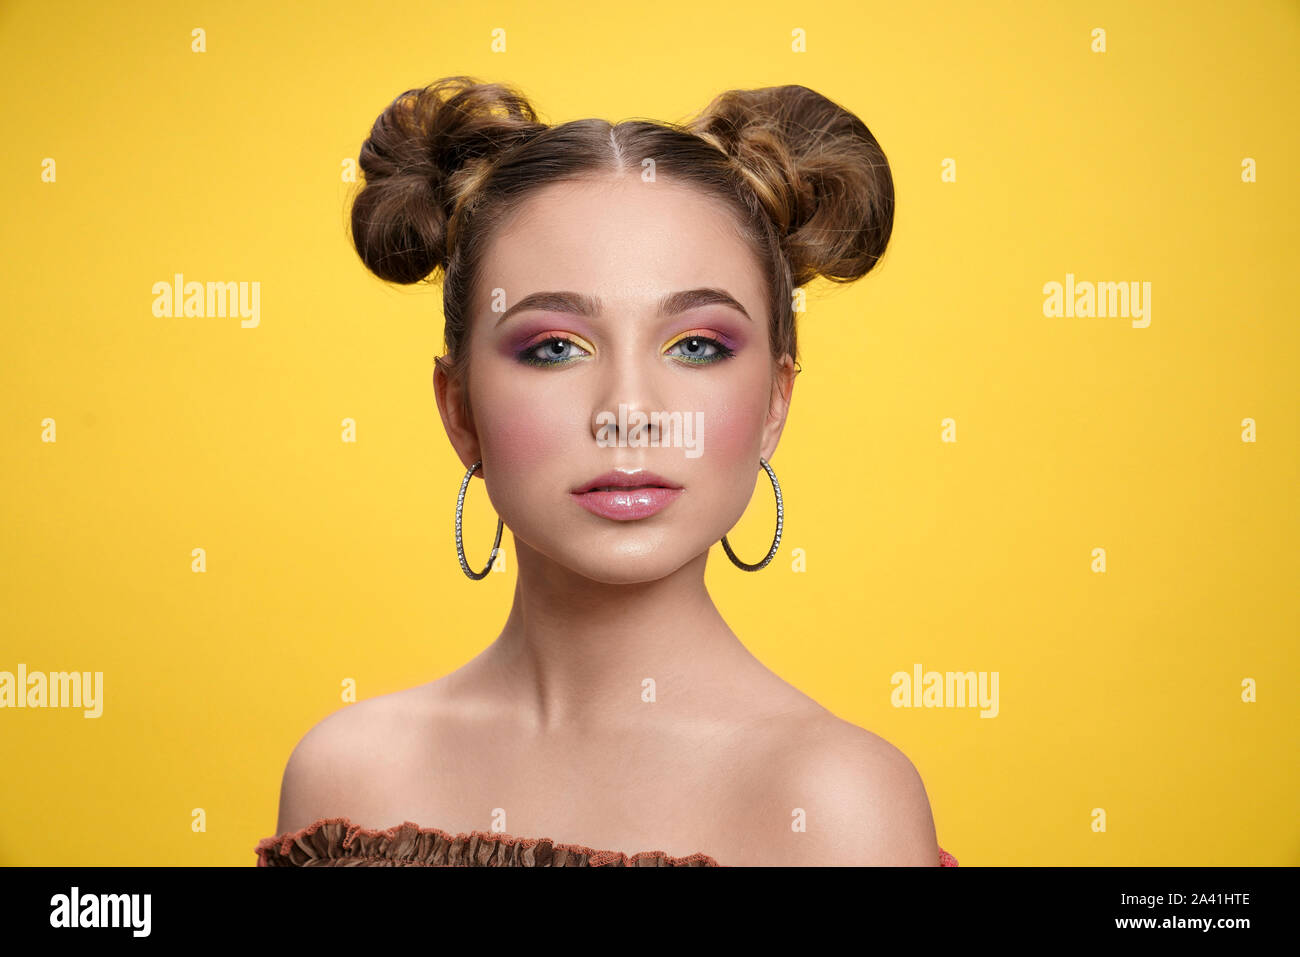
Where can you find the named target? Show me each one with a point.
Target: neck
(576, 653)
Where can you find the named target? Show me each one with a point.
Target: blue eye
(554, 351)
(697, 349)
(558, 350)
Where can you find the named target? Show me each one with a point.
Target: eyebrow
(582, 305)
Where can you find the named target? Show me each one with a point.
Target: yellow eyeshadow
(580, 341)
(693, 334)
(574, 337)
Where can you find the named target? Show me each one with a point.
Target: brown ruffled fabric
(337, 842)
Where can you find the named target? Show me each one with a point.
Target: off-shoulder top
(337, 842)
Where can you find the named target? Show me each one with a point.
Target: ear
(453, 405)
(778, 407)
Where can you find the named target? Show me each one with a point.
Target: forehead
(624, 240)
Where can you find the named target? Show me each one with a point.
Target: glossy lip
(626, 496)
(623, 479)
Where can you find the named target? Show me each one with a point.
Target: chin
(615, 573)
(624, 563)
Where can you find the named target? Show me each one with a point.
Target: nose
(627, 397)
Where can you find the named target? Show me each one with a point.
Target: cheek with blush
(523, 426)
(524, 448)
(732, 439)
(529, 434)
(527, 438)
(518, 439)
(733, 433)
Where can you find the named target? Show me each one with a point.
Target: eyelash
(722, 351)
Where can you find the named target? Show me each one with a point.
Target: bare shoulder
(832, 793)
(345, 754)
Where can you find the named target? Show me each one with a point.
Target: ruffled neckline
(338, 842)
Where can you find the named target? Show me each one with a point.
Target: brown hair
(444, 166)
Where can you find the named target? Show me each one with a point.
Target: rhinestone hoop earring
(780, 521)
(460, 545)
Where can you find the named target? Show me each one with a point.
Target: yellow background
(329, 561)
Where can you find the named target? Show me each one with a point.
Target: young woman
(603, 283)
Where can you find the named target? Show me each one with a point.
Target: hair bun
(819, 173)
(424, 154)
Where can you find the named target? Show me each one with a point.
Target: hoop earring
(780, 521)
(460, 545)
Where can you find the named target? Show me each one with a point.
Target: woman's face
(548, 376)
